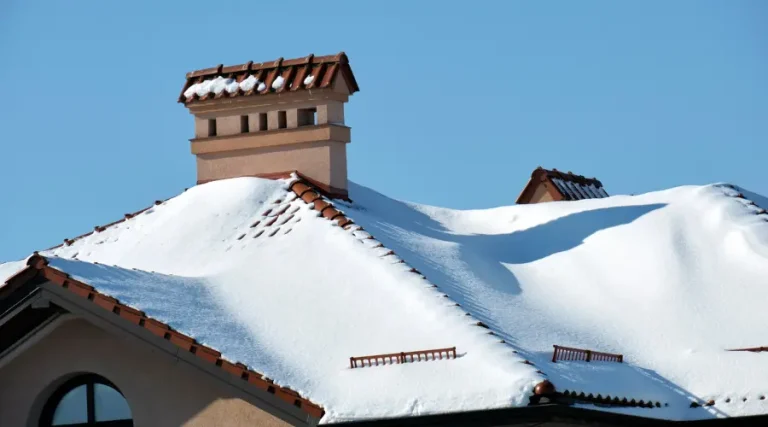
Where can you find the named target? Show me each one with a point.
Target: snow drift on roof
(8, 269)
(668, 279)
(297, 305)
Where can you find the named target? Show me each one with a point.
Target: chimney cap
(324, 68)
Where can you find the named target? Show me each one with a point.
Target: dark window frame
(90, 381)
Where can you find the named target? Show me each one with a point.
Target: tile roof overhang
(324, 69)
(72, 295)
(579, 187)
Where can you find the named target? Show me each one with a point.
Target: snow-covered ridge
(683, 270)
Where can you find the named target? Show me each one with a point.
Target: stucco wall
(325, 162)
(160, 390)
(275, 119)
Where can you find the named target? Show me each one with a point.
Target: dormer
(552, 185)
(272, 118)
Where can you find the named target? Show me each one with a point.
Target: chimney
(273, 118)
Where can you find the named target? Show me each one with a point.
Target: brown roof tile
(581, 397)
(324, 70)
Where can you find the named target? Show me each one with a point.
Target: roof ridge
(340, 57)
(599, 399)
(570, 176)
(747, 203)
(39, 265)
(310, 195)
(100, 228)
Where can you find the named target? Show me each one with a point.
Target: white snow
(192, 90)
(669, 279)
(308, 80)
(231, 85)
(218, 85)
(333, 297)
(249, 83)
(8, 269)
(261, 87)
(278, 83)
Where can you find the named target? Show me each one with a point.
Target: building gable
(552, 185)
(38, 297)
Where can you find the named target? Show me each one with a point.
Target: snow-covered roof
(670, 280)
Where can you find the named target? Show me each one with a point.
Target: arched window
(87, 400)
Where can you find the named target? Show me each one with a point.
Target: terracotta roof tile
(323, 69)
(608, 400)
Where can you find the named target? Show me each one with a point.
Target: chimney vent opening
(282, 120)
(307, 116)
(211, 127)
(262, 121)
(244, 128)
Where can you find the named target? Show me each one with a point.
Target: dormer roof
(554, 185)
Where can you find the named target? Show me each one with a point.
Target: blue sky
(459, 101)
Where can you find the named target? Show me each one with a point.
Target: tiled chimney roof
(561, 186)
(281, 75)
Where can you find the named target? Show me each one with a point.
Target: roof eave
(78, 297)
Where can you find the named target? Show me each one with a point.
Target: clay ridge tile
(37, 265)
(293, 71)
(570, 396)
